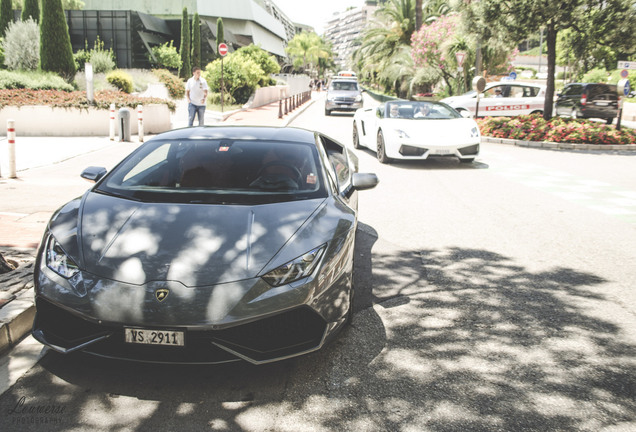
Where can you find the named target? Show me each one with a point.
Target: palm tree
(386, 40)
(306, 49)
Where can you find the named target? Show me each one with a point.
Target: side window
(338, 163)
(516, 91)
(530, 91)
(573, 90)
(497, 91)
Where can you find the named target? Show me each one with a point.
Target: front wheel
(327, 112)
(381, 150)
(609, 121)
(356, 138)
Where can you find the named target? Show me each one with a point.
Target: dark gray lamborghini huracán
(205, 245)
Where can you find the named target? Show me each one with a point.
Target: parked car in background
(415, 130)
(205, 245)
(502, 98)
(588, 100)
(343, 94)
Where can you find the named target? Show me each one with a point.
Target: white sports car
(415, 130)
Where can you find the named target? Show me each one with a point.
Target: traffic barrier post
(11, 147)
(140, 124)
(112, 122)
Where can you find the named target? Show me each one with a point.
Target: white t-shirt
(197, 90)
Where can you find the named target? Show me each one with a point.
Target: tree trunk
(5, 266)
(418, 15)
(549, 91)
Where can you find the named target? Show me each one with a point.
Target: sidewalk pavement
(48, 176)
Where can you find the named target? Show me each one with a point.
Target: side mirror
(362, 181)
(93, 173)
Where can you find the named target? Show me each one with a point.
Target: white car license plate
(154, 337)
(440, 152)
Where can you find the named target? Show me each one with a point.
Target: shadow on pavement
(442, 340)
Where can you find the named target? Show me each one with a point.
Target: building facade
(133, 27)
(344, 30)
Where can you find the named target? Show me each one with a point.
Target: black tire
(609, 120)
(327, 112)
(356, 139)
(381, 151)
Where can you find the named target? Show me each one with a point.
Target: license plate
(154, 337)
(440, 152)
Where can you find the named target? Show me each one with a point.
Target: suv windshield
(344, 86)
(218, 171)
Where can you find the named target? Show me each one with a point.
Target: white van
(502, 98)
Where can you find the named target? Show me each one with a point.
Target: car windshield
(420, 111)
(218, 171)
(344, 85)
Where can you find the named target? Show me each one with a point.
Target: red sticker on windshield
(311, 179)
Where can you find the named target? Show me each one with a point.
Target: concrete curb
(16, 320)
(560, 146)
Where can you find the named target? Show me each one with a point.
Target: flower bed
(76, 99)
(559, 130)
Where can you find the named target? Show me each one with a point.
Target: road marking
(593, 194)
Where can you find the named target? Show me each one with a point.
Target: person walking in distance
(197, 95)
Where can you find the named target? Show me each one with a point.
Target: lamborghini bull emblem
(161, 294)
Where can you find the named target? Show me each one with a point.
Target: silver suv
(343, 95)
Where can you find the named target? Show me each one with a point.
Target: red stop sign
(222, 49)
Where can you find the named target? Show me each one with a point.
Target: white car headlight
(474, 132)
(295, 269)
(57, 260)
(358, 98)
(401, 134)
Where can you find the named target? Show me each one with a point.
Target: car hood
(441, 131)
(343, 93)
(194, 244)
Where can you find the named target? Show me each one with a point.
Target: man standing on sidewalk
(197, 95)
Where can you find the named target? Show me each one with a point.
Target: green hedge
(33, 80)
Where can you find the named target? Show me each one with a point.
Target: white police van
(501, 98)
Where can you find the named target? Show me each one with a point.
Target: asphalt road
(496, 296)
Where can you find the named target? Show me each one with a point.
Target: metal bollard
(11, 142)
(123, 120)
(280, 108)
(140, 122)
(112, 122)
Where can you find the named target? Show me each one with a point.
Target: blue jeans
(196, 110)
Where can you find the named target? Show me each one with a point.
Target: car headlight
(330, 98)
(401, 134)
(358, 98)
(295, 269)
(57, 260)
(474, 133)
